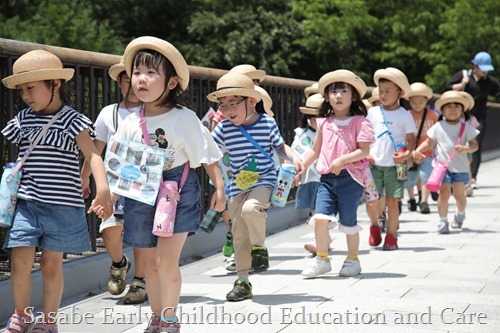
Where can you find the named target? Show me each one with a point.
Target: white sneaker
(230, 264)
(317, 267)
(469, 190)
(351, 267)
(473, 183)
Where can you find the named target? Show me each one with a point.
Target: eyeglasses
(230, 107)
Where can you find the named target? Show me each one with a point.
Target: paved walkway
(433, 283)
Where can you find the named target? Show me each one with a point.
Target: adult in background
(480, 85)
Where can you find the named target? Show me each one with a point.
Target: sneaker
(116, 282)
(316, 268)
(136, 293)
(473, 183)
(458, 221)
(242, 289)
(435, 196)
(170, 327)
(18, 324)
(424, 208)
(351, 267)
(390, 243)
(153, 325)
(469, 190)
(443, 227)
(412, 205)
(375, 236)
(44, 328)
(260, 259)
(230, 264)
(228, 248)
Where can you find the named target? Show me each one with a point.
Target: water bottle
(210, 220)
(9, 186)
(401, 168)
(166, 207)
(283, 186)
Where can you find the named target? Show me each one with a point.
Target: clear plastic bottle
(8, 194)
(283, 186)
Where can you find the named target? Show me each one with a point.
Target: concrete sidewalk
(433, 283)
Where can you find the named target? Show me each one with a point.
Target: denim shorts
(306, 195)
(386, 181)
(139, 217)
(423, 172)
(58, 228)
(339, 194)
(456, 177)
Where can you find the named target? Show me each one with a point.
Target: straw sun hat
(163, 47)
(420, 89)
(311, 90)
(234, 84)
(37, 65)
(394, 75)
(469, 98)
(266, 99)
(375, 96)
(342, 75)
(250, 71)
(452, 96)
(116, 69)
(313, 105)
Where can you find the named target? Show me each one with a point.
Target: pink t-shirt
(359, 129)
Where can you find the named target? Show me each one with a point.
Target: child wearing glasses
(254, 173)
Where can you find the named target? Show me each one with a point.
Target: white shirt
(104, 124)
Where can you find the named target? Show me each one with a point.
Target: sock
(445, 219)
(460, 213)
(121, 263)
(261, 244)
(351, 256)
(23, 313)
(169, 319)
(323, 256)
(140, 279)
(244, 277)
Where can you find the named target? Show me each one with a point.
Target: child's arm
(218, 201)
(418, 154)
(85, 173)
(102, 203)
(339, 163)
(299, 165)
(472, 147)
(313, 154)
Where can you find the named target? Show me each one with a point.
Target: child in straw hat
(424, 117)
(341, 145)
(254, 173)
(106, 125)
(474, 123)
(443, 136)
(159, 75)
(311, 90)
(393, 127)
(50, 212)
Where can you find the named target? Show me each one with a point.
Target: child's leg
(53, 281)
(322, 235)
(393, 215)
(444, 196)
(168, 254)
(112, 237)
(241, 240)
(149, 256)
(352, 245)
(21, 264)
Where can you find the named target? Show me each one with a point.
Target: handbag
(11, 178)
(439, 171)
(168, 195)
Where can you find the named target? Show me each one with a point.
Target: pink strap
(145, 134)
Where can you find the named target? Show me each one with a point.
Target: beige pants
(248, 212)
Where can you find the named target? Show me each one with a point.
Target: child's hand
(102, 206)
(400, 157)
(337, 166)
(370, 159)
(461, 149)
(299, 166)
(418, 157)
(218, 201)
(85, 187)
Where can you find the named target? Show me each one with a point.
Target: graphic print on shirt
(159, 140)
(247, 177)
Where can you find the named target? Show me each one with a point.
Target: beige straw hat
(311, 90)
(116, 69)
(420, 89)
(266, 99)
(469, 98)
(234, 84)
(394, 75)
(163, 47)
(250, 71)
(366, 103)
(375, 96)
(342, 75)
(313, 105)
(452, 96)
(37, 65)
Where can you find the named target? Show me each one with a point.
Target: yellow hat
(452, 96)
(420, 89)
(234, 84)
(342, 75)
(37, 65)
(313, 105)
(250, 71)
(394, 75)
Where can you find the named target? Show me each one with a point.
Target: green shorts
(385, 178)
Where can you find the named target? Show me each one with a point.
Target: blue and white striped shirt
(244, 156)
(51, 174)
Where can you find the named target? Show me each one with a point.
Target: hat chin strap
(246, 112)
(51, 96)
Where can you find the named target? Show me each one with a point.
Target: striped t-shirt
(51, 174)
(245, 159)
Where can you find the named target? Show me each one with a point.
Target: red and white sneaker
(390, 243)
(375, 236)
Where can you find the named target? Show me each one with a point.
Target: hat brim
(257, 74)
(163, 47)
(309, 111)
(342, 76)
(399, 81)
(13, 81)
(486, 68)
(373, 99)
(455, 99)
(115, 71)
(251, 93)
(423, 93)
(308, 91)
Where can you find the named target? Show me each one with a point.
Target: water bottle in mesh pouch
(9, 186)
(210, 220)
